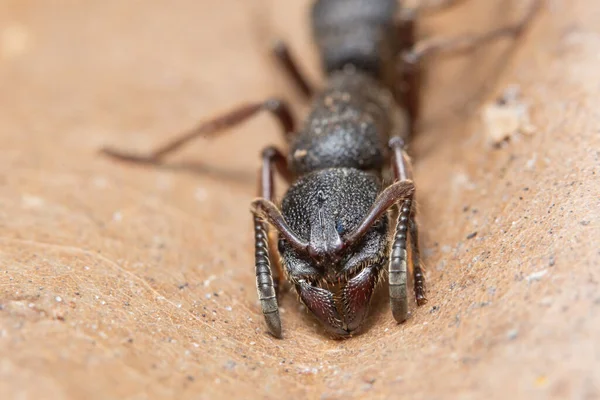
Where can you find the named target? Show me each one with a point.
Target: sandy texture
(120, 281)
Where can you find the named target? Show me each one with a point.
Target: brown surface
(109, 271)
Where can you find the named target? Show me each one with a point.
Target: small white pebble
(506, 118)
(252, 343)
(536, 276)
(117, 216)
(209, 280)
(58, 298)
(228, 308)
(208, 295)
(531, 162)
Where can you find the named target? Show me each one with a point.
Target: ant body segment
(339, 226)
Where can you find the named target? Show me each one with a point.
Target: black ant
(333, 223)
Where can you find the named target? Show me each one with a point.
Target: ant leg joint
(396, 142)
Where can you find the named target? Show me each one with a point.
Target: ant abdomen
(355, 32)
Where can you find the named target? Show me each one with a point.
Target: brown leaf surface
(121, 281)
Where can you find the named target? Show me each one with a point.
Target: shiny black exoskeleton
(339, 157)
(348, 215)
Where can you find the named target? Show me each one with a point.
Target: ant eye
(339, 227)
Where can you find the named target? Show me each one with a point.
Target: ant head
(333, 241)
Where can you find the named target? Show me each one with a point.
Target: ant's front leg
(278, 108)
(398, 270)
(268, 279)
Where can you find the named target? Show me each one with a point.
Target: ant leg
(267, 280)
(408, 213)
(273, 157)
(410, 77)
(265, 286)
(290, 66)
(276, 107)
(418, 276)
(398, 270)
(468, 42)
(398, 260)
